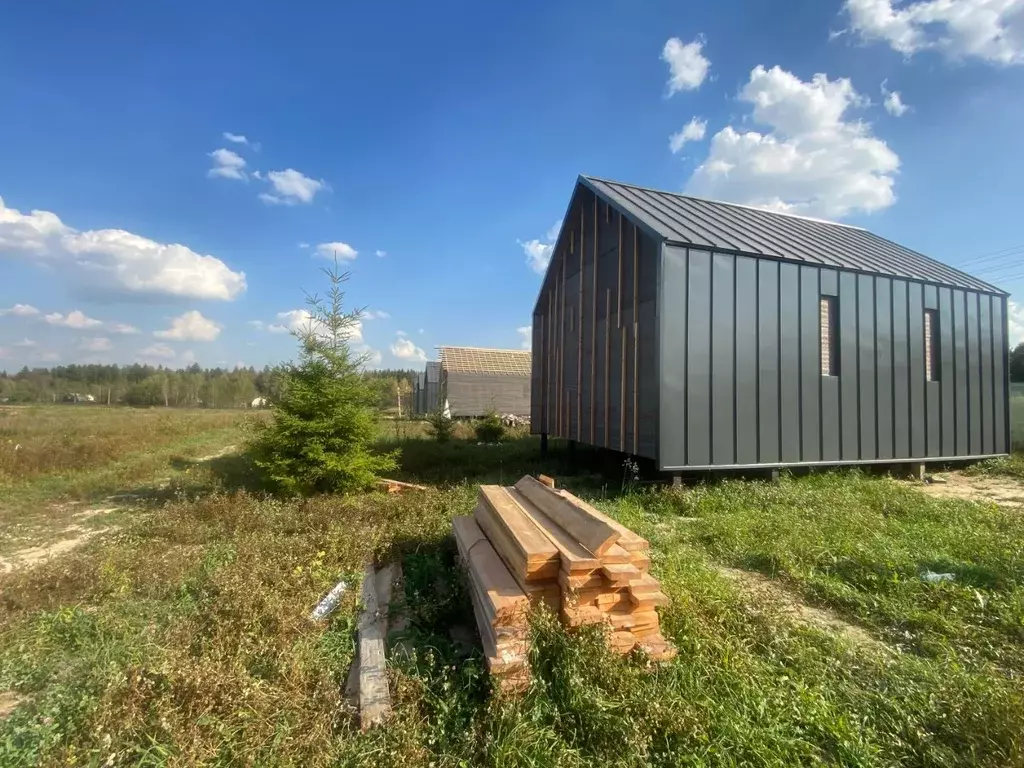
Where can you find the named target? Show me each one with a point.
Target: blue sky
(169, 171)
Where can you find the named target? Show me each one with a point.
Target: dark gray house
(476, 381)
(428, 389)
(708, 335)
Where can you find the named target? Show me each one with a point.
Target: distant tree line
(146, 385)
(1017, 363)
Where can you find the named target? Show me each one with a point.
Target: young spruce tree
(322, 425)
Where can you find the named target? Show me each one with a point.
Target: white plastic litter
(934, 578)
(329, 603)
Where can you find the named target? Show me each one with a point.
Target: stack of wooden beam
(532, 544)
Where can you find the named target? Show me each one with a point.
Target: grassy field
(182, 638)
(54, 459)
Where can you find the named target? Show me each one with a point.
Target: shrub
(489, 429)
(324, 421)
(440, 425)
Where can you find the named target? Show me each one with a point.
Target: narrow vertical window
(572, 241)
(829, 337)
(608, 214)
(931, 345)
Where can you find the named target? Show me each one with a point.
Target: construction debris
(532, 544)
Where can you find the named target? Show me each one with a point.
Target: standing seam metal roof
(726, 226)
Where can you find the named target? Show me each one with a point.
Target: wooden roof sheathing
(505, 362)
(712, 225)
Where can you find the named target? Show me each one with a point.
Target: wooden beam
(636, 337)
(618, 288)
(374, 697)
(593, 330)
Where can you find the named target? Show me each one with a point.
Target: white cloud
(20, 310)
(95, 344)
(404, 349)
(259, 325)
(421, 331)
(74, 319)
(291, 187)
(303, 245)
(380, 254)
(237, 138)
(526, 332)
(26, 343)
(813, 160)
(894, 102)
(191, 326)
(1015, 320)
(122, 328)
(538, 252)
(375, 314)
(343, 251)
(163, 351)
(990, 30)
(300, 320)
(686, 64)
(692, 131)
(227, 165)
(116, 259)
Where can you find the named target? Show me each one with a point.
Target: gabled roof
(710, 225)
(508, 362)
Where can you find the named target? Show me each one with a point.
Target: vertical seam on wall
(892, 364)
(579, 336)
(607, 365)
(593, 331)
(981, 379)
(910, 376)
(1004, 339)
(778, 356)
(757, 360)
(686, 366)
(821, 378)
(874, 355)
(927, 389)
(838, 348)
(967, 377)
(636, 340)
(860, 385)
(618, 290)
(800, 362)
(711, 358)
(735, 389)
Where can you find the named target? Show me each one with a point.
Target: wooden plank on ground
(374, 697)
(594, 534)
(629, 541)
(574, 556)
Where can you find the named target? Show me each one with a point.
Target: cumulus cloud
(301, 321)
(291, 187)
(191, 326)
(122, 328)
(95, 344)
(687, 66)
(380, 254)
(538, 252)
(114, 259)
(692, 131)
(227, 165)
(161, 351)
(526, 334)
(404, 349)
(375, 314)
(237, 138)
(989, 30)
(20, 310)
(1015, 320)
(73, 319)
(812, 160)
(343, 251)
(894, 102)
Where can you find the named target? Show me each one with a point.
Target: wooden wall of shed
(595, 377)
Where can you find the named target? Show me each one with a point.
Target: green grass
(184, 639)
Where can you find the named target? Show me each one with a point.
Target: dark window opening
(608, 214)
(829, 336)
(931, 345)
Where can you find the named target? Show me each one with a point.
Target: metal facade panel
(586, 335)
(789, 362)
(999, 376)
(768, 361)
(849, 377)
(915, 371)
(884, 367)
(698, 369)
(900, 368)
(723, 330)
(647, 381)
(987, 384)
(746, 379)
(810, 364)
(866, 365)
(674, 351)
(960, 378)
(973, 376)
(536, 382)
(933, 389)
(947, 383)
(831, 413)
(717, 226)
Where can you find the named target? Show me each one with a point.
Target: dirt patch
(27, 558)
(86, 514)
(9, 701)
(778, 599)
(1004, 491)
